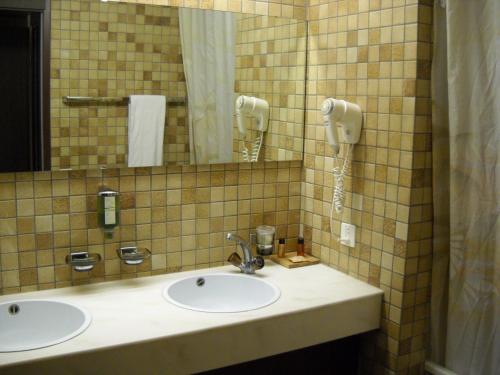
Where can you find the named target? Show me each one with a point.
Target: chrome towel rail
(111, 100)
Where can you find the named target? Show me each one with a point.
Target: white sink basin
(33, 324)
(221, 293)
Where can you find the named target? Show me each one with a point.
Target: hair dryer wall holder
(340, 113)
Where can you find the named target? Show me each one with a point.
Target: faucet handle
(234, 259)
(258, 262)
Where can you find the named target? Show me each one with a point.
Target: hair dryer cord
(256, 146)
(339, 191)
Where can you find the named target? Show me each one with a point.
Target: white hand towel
(146, 125)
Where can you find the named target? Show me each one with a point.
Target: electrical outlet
(348, 234)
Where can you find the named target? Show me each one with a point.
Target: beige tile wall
(280, 8)
(112, 49)
(376, 53)
(180, 213)
(373, 52)
(270, 64)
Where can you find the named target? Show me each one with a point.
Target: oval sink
(221, 293)
(34, 324)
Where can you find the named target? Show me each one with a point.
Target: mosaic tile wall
(180, 213)
(111, 49)
(376, 53)
(270, 64)
(415, 314)
(373, 52)
(279, 8)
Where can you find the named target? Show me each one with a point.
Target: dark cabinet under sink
(334, 357)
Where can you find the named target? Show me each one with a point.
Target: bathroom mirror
(105, 54)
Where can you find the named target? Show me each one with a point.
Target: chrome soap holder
(83, 261)
(132, 255)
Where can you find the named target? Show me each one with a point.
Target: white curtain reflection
(208, 40)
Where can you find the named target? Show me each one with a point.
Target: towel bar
(111, 100)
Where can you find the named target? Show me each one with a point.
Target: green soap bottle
(108, 211)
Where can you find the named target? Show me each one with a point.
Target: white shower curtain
(208, 40)
(465, 315)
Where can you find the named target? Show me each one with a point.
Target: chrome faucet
(249, 263)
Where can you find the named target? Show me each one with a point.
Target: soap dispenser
(108, 211)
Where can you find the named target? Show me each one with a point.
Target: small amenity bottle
(281, 248)
(300, 246)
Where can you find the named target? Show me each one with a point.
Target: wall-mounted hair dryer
(344, 114)
(249, 106)
(349, 117)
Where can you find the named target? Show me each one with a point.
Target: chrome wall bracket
(83, 261)
(132, 255)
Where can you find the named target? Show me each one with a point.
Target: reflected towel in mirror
(146, 126)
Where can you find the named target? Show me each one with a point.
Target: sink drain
(200, 281)
(14, 309)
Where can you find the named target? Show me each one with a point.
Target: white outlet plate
(348, 234)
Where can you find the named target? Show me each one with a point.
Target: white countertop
(134, 329)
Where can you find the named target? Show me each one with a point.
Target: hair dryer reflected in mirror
(249, 106)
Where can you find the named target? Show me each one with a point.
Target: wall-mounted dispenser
(108, 211)
(249, 106)
(349, 117)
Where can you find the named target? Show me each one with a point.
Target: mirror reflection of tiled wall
(270, 64)
(112, 49)
(118, 49)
